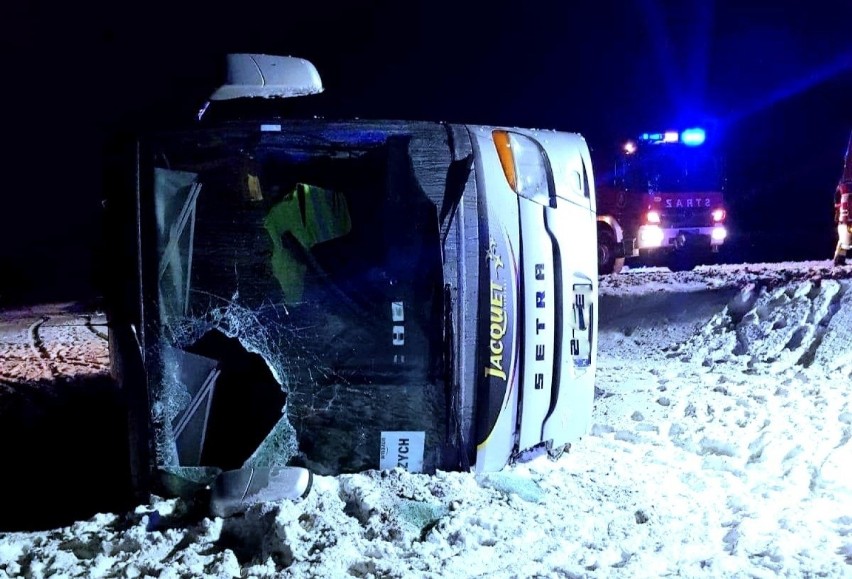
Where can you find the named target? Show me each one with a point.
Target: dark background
(774, 79)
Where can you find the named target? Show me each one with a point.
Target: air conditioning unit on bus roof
(268, 76)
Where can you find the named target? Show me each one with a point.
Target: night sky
(774, 78)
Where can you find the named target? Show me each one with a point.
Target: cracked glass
(299, 300)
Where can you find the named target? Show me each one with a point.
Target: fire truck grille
(687, 218)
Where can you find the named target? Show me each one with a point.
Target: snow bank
(720, 447)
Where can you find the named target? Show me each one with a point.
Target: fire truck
(662, 202)
(841, 209)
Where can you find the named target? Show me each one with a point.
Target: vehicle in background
(841, 209)
(662, 202)
(335, 296)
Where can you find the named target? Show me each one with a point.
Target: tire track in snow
(91, 327)
(39, 349)
(50, 347)
(71, 345)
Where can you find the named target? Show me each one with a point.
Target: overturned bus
(310, 295)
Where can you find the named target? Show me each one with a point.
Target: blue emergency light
(689, 137)
(693, 137)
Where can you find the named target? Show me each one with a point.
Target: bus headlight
(524, 165)
(650, 236)
(718, 233)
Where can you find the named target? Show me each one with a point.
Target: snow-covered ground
(720, 448)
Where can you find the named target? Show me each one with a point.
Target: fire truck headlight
(650, 236)
(718, 215)
(844, 233)
(719, 233)
(523, 164)
(653, 217)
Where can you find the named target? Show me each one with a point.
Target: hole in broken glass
(236, 403)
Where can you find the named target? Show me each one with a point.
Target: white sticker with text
(402, 449)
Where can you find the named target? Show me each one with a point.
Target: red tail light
(719, 215)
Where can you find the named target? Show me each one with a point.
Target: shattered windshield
(300, 301)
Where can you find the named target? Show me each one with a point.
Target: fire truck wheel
(607, 262)
(679, 262)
